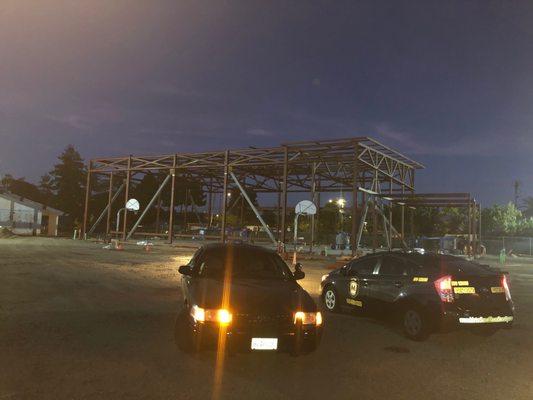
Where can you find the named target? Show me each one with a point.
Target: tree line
(63, 187)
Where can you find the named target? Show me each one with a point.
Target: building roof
(30, 203)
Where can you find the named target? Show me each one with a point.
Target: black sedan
(427, 292)
(243, 297)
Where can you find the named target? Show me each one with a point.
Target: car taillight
(444, 289)
(505, 284)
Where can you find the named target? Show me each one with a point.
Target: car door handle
(398, 284)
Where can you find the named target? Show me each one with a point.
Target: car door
(358, 282)
(186, 279)
(393, 275)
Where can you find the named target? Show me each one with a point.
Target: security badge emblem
(353, 288)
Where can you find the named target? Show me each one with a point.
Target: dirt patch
(6, 233)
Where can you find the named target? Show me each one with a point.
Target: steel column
(126, 197)
(87, 195)
(284, 196)
(313, 194)
(106, 210)
(210, 203)
(256, 212)
(355, 172)
(148, 206)
(172, 202)
(109, 202)
(223, 201)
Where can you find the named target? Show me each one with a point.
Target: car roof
(237, 245)
(420, 258)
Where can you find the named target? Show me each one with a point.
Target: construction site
(372, 184)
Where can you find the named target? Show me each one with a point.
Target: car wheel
(331, 299)
(184, 337)
(415, 324)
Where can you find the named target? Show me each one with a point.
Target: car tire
(415, 323)
(330, 298)
(184, 337)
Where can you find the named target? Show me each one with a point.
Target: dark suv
(426, 291)
(245, 297)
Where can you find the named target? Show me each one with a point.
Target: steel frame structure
(440, 200)
(348, 165)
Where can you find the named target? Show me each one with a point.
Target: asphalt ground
(81, 322)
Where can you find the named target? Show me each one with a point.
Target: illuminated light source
(224, 316)
(308, 318)
(330, 201)
(444, 289)
(198, 314)
(221, 316)
(341, 202)
(505, 285)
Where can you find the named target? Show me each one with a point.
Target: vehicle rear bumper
(497, 318)
(305, 338)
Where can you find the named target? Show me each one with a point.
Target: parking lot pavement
(80, 322)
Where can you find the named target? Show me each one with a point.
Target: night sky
(448, 83)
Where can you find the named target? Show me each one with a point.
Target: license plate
(264, 343)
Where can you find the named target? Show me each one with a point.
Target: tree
(47, 189)
(67, 180)
(527, 205)
(500, 220)
(21, 188)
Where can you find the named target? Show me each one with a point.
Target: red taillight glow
(505, 285)
(444, 289)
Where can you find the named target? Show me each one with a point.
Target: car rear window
(451, 264)
(243, 263)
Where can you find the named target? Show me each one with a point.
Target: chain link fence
(516, 245)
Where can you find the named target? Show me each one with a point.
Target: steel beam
(106, 210)
(87, 196)
(109, 202)
(172, 203)
(126, 197)
(251, 204)
(284, 197)
(223, 201)
(147, 208)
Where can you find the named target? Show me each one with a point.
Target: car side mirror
(299, 274)
(185, 270)
(298, 267)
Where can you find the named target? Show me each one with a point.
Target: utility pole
(516, 185)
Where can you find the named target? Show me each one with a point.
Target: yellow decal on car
(354, 288)
(460, 283)
(464, 290)
(420, 279)
(353, 302)
(497, 289)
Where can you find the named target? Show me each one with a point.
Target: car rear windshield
(451, 264)
(242, 264)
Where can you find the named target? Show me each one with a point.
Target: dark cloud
(448, 83)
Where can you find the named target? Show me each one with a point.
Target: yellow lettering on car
(464, 290)
(353, 302)
(497, 289)
(460, 283)
(420, 279)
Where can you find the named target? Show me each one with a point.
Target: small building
(27, 217)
